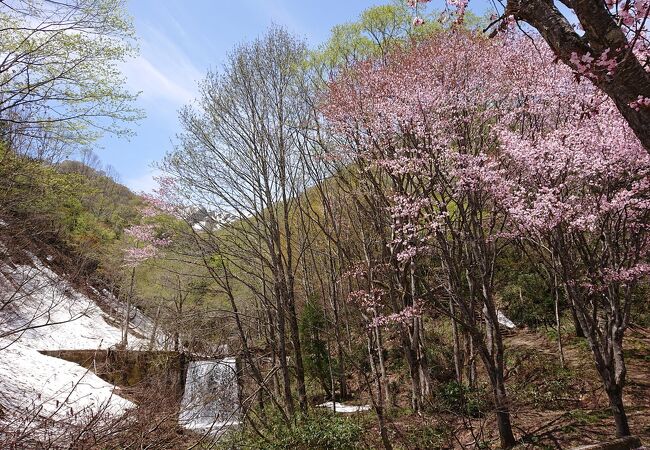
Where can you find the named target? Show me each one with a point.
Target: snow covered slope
(39, 310)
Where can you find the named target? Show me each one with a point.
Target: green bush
(317, 431)
(529, 300)
(461, 399)
(430, 437)
(315, 356)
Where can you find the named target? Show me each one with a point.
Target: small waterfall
(211, 398)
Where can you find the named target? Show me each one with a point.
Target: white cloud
(143, 76)
(163, 71)
(145, 182)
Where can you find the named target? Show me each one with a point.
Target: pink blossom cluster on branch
(640, 102)
(403, 317)
(146, 244)
(164, 200)
(367, 300)
(585, 184)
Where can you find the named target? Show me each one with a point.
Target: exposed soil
(572, 412)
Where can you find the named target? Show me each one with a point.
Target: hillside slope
(42, 310)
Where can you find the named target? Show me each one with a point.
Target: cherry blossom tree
(582, 195)
(145, 242)
(476, 143)
(421, 128)
(608, 44)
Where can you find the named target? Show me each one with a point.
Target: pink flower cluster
(146, 244)
(164, 200)
(368, 300)
(417, 20)
(402, 317)
(414, 3)
(640, 102)
(590, 67)
(556, 162)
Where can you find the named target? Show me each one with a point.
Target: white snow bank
(505, 322)
(343, 408)
(58, 389)
(46, 313)
(42, 311)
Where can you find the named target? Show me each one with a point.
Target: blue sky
(180, 40)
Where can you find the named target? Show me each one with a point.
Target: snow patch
(48, 314)
(505, 322)
(343, 408)
(44, 312)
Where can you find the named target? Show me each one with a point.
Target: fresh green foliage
(60, 79)
(460, 398)
(82, 213)
(529, 300)
(317, 431)
(540, 381)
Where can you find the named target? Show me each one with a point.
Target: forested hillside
(430, 231)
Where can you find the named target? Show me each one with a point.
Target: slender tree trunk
(297, 351)
(558, 325)
(379, 406)
(458, 365)
(380, 358)
(506, 436)
(282, 352)
(152, 339)
(493, 358)
(127, 315)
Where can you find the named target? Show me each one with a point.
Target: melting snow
(50, 315)
(343, 408)
(43, 312)
(505, 322)
(60, 388)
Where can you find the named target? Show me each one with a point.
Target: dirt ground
(590, 421)
(570, 413)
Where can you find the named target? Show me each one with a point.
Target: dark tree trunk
(282, 353)
(503, 412)
(492, 355)
(615, 397)
(297, 352)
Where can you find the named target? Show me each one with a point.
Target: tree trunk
(282, 353)
(493, 358)
(127, 318)
(297, 352)
(379, 406)
(615, 396)
(558, 326)
(152, 339)
(458, 364)
(506, 435)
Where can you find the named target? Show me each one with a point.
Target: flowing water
(211, 399)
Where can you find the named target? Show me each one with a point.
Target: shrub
(316, 431)
(461, 399)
